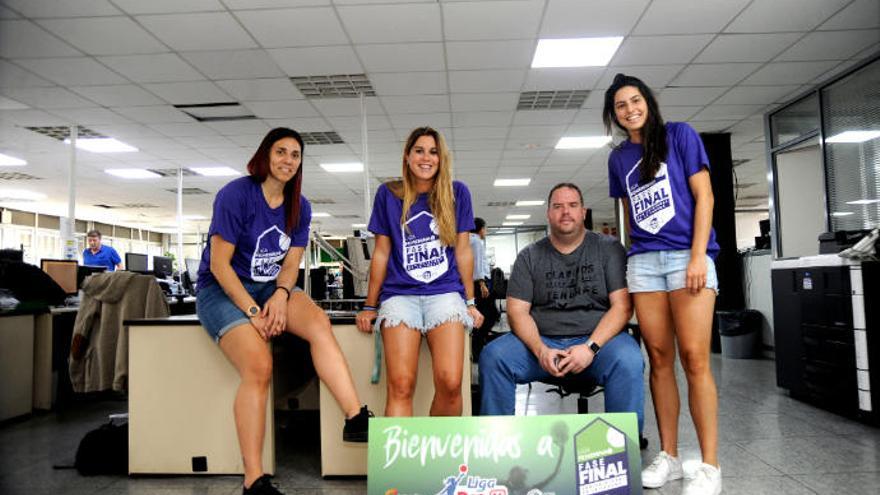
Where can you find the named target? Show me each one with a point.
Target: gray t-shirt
(568, 292)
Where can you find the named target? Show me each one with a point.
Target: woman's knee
(258, 369)
(694, 361)
(318, 328)
(447, 383)
(402, 386)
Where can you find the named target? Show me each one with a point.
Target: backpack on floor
(104, 450)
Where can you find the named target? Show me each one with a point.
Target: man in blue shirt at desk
(98, 255)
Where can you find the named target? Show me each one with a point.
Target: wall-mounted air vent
(137, 206)
(346, 216)
(62, 132)
(504, 204)
(335, 86)
(171, 172)
(18, 176)
(189, 191)
(322, 201)
(321, 137)
(552, 100)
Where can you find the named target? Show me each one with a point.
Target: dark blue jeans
(619, 367)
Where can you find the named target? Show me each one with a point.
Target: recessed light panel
(518, 217)
(530, 202)
(320, 214)
(103, 145)
(512, 182)
(11, 161)
(215, 171)
(343, 168)
(582, 142)
(575, 52)
(511, 224)
(132, 173)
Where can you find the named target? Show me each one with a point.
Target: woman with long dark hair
(247, 293)
(661, 173)
(421, 274)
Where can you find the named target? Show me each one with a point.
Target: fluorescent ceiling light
(511, 224)
(842, 214)
(863, 202)
(132, 173)
(575, 52)
(194, 217)
(512, 182)
(103, 145)
(518, 217)
(11, 160)
(582, 142)
(359, 225)
(530, 202)
(20, 195)
(320, 214)
(215, 171)
(342, 168)
(853, 137)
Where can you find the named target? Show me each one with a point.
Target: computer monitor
(162, 266)
(135, 262)
(63, 272)
(192, 268)
(85, 270)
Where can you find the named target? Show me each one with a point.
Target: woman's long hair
(258, 168)
(441, 199)
(653, 132)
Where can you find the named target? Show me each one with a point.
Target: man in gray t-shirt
(567, 304)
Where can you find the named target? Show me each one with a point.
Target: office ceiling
(119, 67)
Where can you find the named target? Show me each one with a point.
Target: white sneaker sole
(672, 477)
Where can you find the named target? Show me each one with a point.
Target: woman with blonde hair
(420, 274)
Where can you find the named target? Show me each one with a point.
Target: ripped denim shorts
(424, 313)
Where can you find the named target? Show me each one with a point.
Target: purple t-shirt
(419, 264)
(242, 217)
(661, 212)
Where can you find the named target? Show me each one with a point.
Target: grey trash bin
(740, 333)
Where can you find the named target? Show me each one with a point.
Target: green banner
(568, 454)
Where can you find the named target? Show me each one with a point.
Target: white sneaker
(706, 481)
(664, 468)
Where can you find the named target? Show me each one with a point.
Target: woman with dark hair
(247, 293)
(661, 173)
(421, 274)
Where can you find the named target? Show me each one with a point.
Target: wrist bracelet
(471, 302)
(285, 289)
(367, 307)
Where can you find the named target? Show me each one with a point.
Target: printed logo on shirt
(563, 286)
(424, 257)
(652, 203)
(269, 252)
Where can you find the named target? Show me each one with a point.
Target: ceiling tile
(392, 23)
(234, 64)
(184, 130)
(32, 117)
(502, 20)
(310, 124)
(687, 16)
(80, 8)
(13, 76)
(47, 97)
(189, 93)
(756, 94)
(579, 19)
(544, 117)
(477, 133)
(689, 96)
(482, 102)
(164, 67)
(271, 4)
(655, 76)
(23, 38)
(202, 142)
(294, 27)
(712, 125)
(281, 109)
(714, 74)
(135, 7)
(119, 95)
(93, 115)
(464, 118)
(407, 122)
(746, 47)
(562, 78)
(199, 31)
(480, 55)
(401, 57)
(158, 114)
(73, 71)
(10, 104)
(5, 13)
(91, 35)
(678, 113)
(317, 61)
(727, 112)
(261, 89)
(415, 104)
(656, 50)
(830, 45)
(860, 14)
(409, 83)
(767, 16)
(786, 72)
(347, 107)
(489, 81)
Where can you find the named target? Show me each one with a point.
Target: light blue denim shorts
(664, 271)
(424, 313)
(218, 314)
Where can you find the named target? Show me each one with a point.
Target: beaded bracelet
(285, 289)
(369, 308)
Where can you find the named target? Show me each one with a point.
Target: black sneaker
(355, 429)
(262, 486)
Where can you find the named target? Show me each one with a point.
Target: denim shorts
(423, 313)
(218, 314)
(664, 271)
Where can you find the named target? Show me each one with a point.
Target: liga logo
(463, 484)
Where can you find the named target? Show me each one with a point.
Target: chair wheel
(643, 443)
